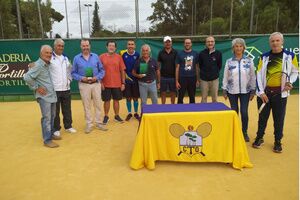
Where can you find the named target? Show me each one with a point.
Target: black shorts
(131, 90)
(115, 93)
(167, 84)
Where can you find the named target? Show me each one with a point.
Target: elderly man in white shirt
(60, 70)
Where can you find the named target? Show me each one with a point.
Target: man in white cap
(166, 64)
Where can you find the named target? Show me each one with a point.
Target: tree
(96, 25)
(29, 16)
(288, 16)
(167, 15)
(220, 26)
(8, 27)
(176, 17)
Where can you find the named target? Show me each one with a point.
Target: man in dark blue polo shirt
(187, 72)
(147, 72)
(166, 64)
(210, 63)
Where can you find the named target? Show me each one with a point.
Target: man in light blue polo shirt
(38, 79)
(88, 71)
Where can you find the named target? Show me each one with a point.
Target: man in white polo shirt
(60, 70)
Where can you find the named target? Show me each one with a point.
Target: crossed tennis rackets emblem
(190, 141)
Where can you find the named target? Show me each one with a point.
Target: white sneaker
(56, 133)
(101, 127)
(88, 129)
(71, 130)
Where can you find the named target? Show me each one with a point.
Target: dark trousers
(189, 84)
(63, 101)
(278, 107)
(244, 102)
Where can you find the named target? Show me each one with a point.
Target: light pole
(230, 25)
(40, 18)
(211, 16)
(251, 18)
(88, 5)
(19, 19)
(137, 20)
(79, 5)
(67, 19)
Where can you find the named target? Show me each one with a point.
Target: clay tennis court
(96, 165)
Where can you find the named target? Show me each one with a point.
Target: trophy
(143, 69)
(89, 73)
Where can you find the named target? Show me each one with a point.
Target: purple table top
(198, 107)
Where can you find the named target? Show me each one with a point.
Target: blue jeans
(244, 102)
(148, 88)
(48, 111)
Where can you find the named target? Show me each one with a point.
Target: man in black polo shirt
(210, 63)
(166, 64)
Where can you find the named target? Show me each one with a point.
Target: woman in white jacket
(239, 81)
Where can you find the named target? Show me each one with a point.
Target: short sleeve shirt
(167, 63)
(129, 61)
(150, 67)
(113, 65)
(187, 63)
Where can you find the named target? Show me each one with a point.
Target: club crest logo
(190, 141)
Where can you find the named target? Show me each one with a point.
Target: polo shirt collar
(170, 51)
(150, 60)
(129, 53)
(210, 52)
(43, 62)
(81, 55)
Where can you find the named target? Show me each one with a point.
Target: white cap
(166, 38)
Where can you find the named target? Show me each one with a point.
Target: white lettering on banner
(13, 74)
(14, 57)
(4, 68)
(294, 50)
(10, 83)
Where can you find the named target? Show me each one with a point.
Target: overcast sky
(115, 15)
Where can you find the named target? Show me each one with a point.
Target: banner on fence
(16, 55)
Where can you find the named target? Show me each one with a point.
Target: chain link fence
(115, 17)
(138, 18)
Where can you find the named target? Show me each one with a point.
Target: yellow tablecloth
(225, 143)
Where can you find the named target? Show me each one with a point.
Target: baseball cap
(166, 38)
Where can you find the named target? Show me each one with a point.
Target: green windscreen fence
(15, 56)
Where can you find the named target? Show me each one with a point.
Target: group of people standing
(129, 74)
